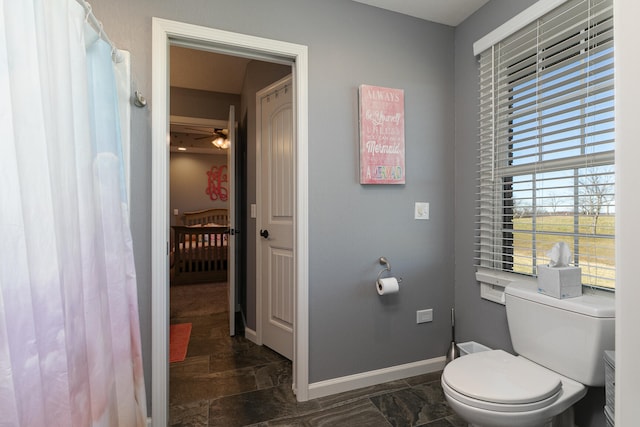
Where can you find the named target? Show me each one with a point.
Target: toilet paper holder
(384, 261)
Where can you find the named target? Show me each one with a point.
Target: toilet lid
(499, 377)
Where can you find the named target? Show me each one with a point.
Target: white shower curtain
(70, 350)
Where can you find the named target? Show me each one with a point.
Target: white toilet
(560, 345)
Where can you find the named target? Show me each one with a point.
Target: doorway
(202, 186)
(166, 33)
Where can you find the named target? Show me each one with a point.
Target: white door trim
(164, 34)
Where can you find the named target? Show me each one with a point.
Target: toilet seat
(498, 381)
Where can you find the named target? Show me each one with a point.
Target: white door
(231, 238)
(276, 202)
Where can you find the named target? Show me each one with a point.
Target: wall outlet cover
(421, 210)
(424, 316)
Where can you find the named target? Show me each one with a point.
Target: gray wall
(477, 319)
(189, 181)
(352, 329)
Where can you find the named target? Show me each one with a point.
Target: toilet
(560, 345)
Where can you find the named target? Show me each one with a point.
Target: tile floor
(229, 381)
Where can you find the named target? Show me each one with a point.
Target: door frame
(164, 34)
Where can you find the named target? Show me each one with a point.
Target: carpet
(179, 335)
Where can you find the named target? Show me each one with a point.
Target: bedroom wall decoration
(382, 148)
(216, 177)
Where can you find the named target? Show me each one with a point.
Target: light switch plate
(422, 210)
(253, 210)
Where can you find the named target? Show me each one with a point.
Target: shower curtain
(70, 350)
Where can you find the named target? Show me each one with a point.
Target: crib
(199, 248)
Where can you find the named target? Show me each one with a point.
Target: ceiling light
(221, 143)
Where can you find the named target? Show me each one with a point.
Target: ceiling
(214, 72)
(202, 70)
(448, 12)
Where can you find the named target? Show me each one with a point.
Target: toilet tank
(568, 336)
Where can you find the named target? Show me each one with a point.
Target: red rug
(179, 341)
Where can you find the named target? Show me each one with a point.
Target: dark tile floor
(229, 381)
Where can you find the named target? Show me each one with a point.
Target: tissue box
(560, 282)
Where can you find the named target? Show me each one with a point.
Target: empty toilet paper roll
(387, 285)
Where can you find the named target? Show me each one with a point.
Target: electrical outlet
(421, 210)
(424, 316)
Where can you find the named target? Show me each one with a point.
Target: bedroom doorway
(202, 188)
(167, 33)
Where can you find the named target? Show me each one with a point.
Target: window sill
(492, 283)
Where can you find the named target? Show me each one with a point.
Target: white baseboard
(251, 335)
(149, 423)
(379, 376)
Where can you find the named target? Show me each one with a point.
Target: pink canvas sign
(381, 135)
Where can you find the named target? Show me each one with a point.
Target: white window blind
(546, 136)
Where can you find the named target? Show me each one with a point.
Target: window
(546, 154)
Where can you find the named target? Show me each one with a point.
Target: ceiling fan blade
(217, 133)
(192, 130)
(196, 130)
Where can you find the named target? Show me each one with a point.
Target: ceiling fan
(215, 132)
(219, 137)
